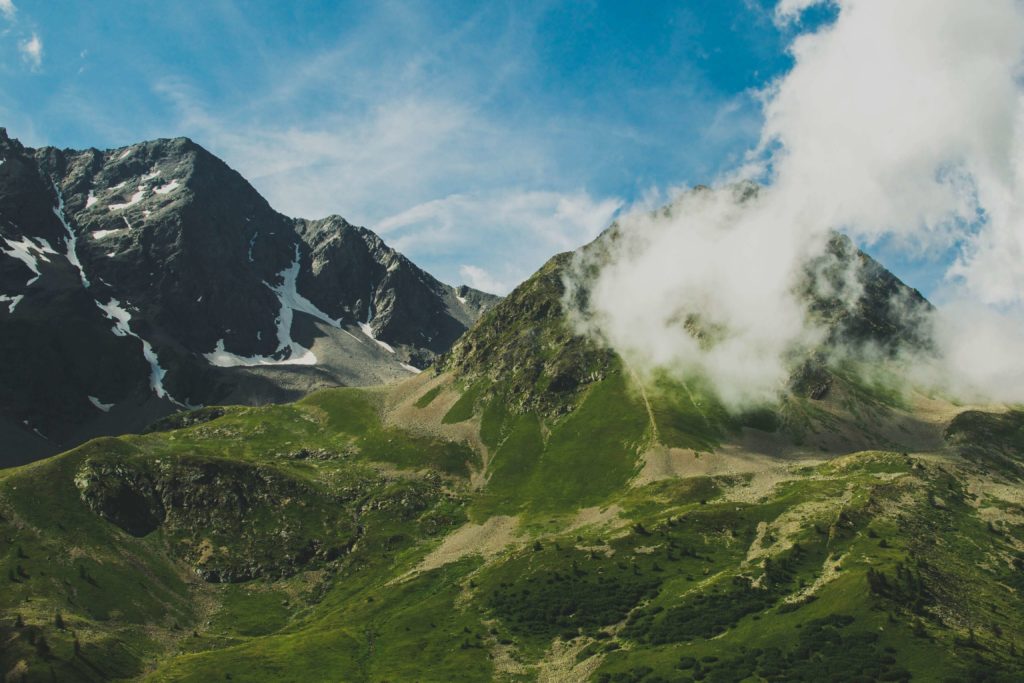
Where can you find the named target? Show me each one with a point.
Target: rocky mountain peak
(542, 363)
(165, 264)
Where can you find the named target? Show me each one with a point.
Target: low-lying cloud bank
(900, 120)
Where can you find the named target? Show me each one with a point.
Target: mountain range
(141, 280)
(532, 508)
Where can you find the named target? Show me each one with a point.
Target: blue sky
(478, 138)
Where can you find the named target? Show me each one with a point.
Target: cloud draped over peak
(900, 121)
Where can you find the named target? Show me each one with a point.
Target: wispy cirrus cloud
(522, 229)
(439, 146)
(497, 117)
(393, 168)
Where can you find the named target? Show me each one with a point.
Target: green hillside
(533, 510)
(326, 541)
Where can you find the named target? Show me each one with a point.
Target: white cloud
(8, 9)
(32, 50)
(980, 354)
(788, 11)
(902, 120)
(712, 257)
(560, 222)
(478, 278)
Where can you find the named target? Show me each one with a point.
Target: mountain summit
(148, 278)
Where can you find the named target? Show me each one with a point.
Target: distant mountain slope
(140, 280)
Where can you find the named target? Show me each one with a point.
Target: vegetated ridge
(534, 510)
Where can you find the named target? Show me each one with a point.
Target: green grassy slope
(141, 544)
(533, 511)
(316, 542)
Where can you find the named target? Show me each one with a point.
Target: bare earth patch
(560, 666)
(507, 664)
(829, 573)
(400, 410)
(985, 489)
(597, 517)
(766, 471)
(778, 535)
(487, 539)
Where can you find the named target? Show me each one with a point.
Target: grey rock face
(138, 280)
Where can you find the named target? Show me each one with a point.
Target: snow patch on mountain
(91, 199)
(12, 300)
(119, 315)
(368, 331)
(289, 295)
(103, 234)
(132, 201)
(225, 359)
(168, 188)
(72, 239)
(105, 407)
(28, 252)
(122, 328)
(291, 301)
